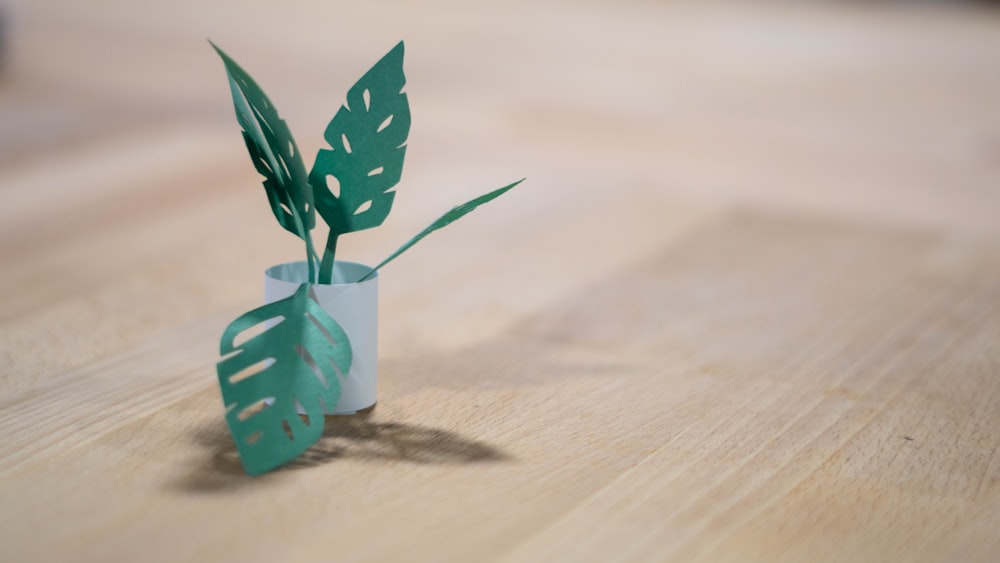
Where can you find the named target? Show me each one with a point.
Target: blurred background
(743, 300)
(881, 110)
(630, 117)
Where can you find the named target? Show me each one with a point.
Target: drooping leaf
(352, 180)
(443, 221)
(292, 365)
(273, 151)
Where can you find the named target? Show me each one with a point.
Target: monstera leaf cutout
(302, 358)
(352, 182)
(274, 154)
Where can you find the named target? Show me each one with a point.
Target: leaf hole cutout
(252, 439)
(363, 207)
(376, 171)
(253, 409)
(267, 165)
(336, 368)
(288, 429)
(367, 97)
(286, 209)
(256, 330)
(384, 124)
(249, 371)
(311, 362)
(345, 142)
(299, 408)
(291, 148)
(319, 326)
(333, 184)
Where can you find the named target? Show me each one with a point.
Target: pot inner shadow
(357, 436)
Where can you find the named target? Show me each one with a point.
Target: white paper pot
(355, 307)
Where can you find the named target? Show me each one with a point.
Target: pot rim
(297, 272)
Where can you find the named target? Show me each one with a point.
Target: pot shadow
(355, 436)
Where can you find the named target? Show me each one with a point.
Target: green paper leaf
(273, 151)
(367, 138)
(303, 356)
(443, 221)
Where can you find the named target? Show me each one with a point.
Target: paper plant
(277, 385)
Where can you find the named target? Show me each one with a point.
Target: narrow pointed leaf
(272, 150)
(367, 137)
(302, 356)
(443, 221)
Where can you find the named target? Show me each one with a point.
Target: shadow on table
(344, 437)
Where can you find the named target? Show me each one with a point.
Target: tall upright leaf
(274, 154)
(352, 181)
(292, 365)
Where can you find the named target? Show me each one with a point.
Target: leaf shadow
(357, 436)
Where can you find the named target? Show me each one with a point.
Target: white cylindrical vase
(355, 308)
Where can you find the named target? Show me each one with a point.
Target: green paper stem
(310, 250)
(443, 221)
(326, 266)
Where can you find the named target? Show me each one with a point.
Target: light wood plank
(745, 307)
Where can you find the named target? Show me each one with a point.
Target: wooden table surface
(744, 308)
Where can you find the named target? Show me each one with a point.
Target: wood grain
(745, 307)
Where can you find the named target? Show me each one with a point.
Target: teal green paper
(275, 155)
(367, 137)
(352, 187)
(443, 221)
(308, 352)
